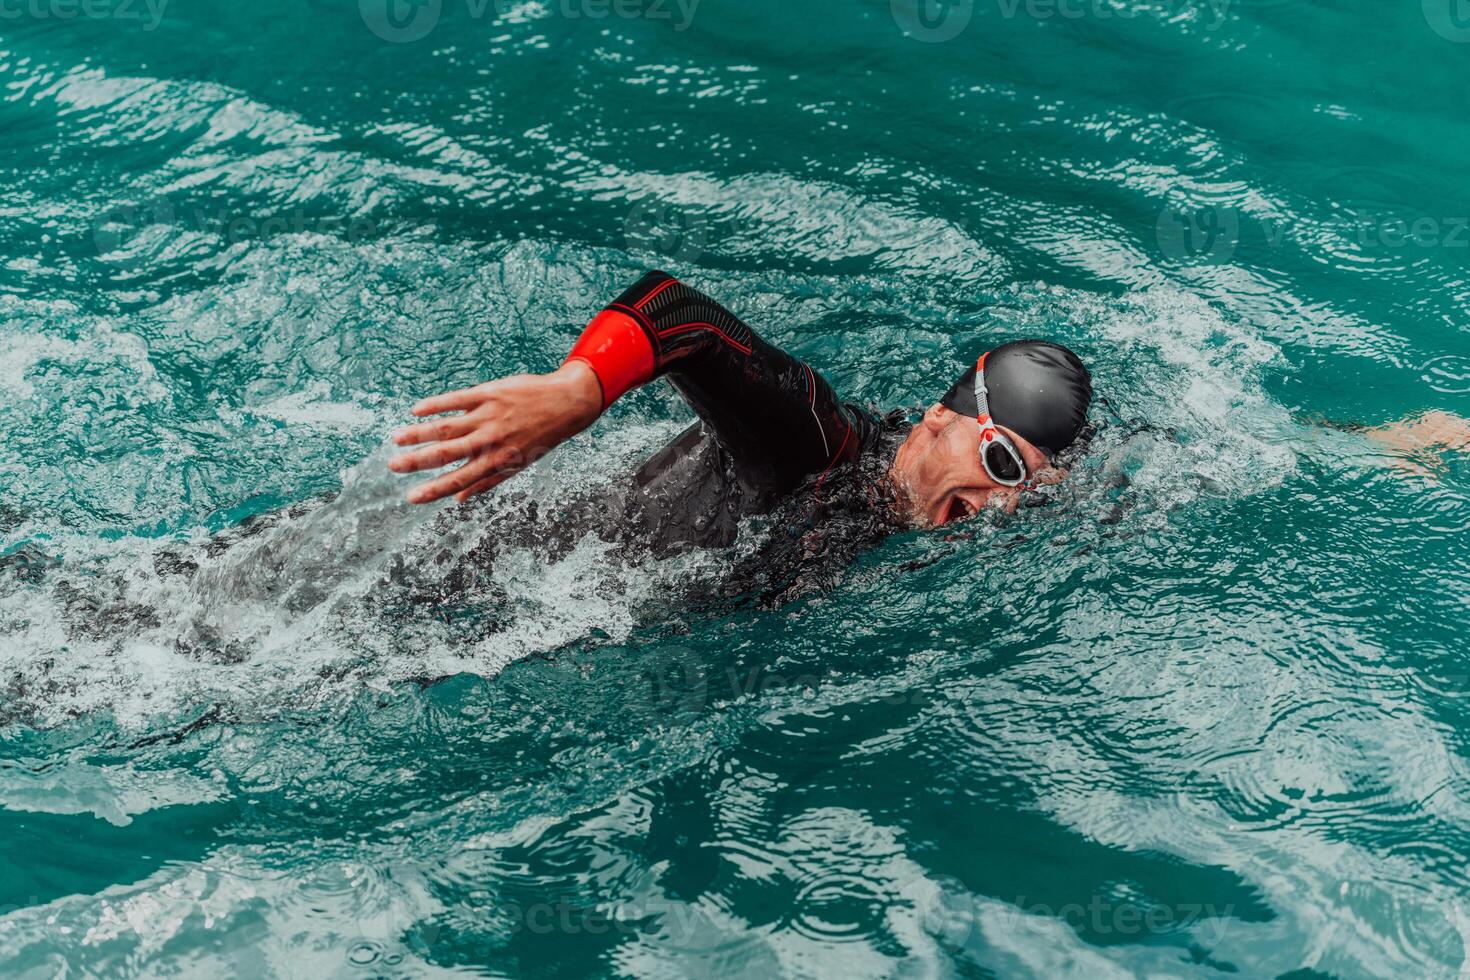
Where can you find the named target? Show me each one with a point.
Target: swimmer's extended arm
(1418, 442)
(777, 418)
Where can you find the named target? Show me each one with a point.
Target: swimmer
(770, 426)
(772, 439)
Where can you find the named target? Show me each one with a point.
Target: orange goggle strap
(968, 396)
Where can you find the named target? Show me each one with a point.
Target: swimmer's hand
(1418, 443)
(505, 426)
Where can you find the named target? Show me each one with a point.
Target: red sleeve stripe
(649, 298)
(835, 457)
(618, 351)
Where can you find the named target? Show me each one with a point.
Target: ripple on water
(1138, 687)
(840, 908)
(1448, 374)
(1367, 225)
(1440, 510)
(1241, 119)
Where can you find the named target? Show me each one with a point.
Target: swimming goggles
(998, 454)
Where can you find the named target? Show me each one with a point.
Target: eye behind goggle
(1001, 464)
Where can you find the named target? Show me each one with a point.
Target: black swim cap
(1037, 389)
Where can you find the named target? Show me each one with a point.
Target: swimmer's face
(939, 472)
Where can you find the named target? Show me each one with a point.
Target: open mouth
(958, 509)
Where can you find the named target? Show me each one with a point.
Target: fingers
(443, 453)
(450, 483)
(454, 401)
(484, 468)
(440, 431)
(489, 483)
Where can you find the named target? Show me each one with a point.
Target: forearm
(659, 327)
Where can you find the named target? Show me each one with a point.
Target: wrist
(582, 389)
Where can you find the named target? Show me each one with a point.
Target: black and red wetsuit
(769, 424)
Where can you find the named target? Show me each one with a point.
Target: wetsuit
(770, 425)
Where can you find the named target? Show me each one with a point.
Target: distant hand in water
(1420, 441)
(505, 426)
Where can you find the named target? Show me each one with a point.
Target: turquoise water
(1209, 717)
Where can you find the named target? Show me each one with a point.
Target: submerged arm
(1419, 442)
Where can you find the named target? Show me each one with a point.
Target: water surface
(1204, 716)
